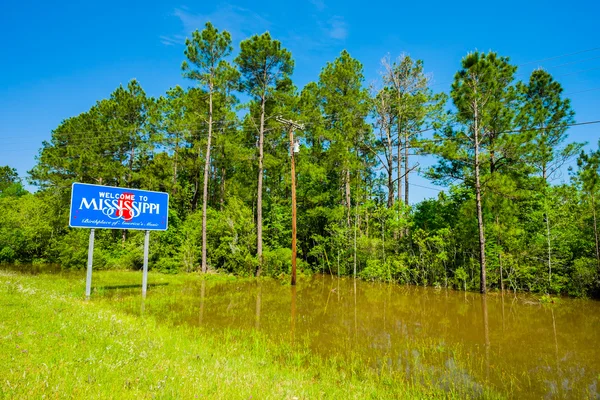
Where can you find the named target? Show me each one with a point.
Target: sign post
(145, 275)
(108, 207)
(88, 277)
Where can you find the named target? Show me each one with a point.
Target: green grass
(53, 343)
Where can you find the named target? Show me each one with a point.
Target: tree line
(499, 145)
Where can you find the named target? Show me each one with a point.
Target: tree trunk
(399, 161)
(222, 199)
(197, 184)
(406, 169)
(596, 231)
(390, 168)
(549, 243)
(355, 229)
(175, 160)
(483, 288)
(498, 243)
(206, 171)
(259, 230)
(348, 197)
(544, 172)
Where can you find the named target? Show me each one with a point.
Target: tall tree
(206, 51)
(109, 144)
(180, 119)
(345, 103)
(478, 91)
(263, 63)
(406, 79)
(545, 117)
(8, 177)
(385, 116)
(589, 177)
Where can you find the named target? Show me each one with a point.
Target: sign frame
(121, 208)
(137, 192)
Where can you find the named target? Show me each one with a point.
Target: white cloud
(240, 22)
(319, 4)
(172, 40)
(337, 28)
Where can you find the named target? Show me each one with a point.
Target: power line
(545, 59)
(578, 72)
(573, 62)
(560, 56)
(582, 91)
(443, 139)
(426, 187)
(81, 142)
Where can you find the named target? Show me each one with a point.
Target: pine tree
(206, 51)
(263, 63)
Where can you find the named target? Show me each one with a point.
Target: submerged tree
(545, 117)
(477, 92)
(206, 51)
(345, 106)
(589, 178)
(263, 63)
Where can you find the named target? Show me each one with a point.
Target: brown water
(512, 344)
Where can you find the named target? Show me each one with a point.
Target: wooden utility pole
(294, 148)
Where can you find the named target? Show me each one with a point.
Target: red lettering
(125, 206)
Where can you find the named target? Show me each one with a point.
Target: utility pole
(294, 148)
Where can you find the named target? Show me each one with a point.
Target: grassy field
(55, 344)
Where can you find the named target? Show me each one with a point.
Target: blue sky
(59, 59)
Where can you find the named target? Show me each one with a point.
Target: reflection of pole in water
(486, 334)
(554, 329)
(257, 314)
(331, 289)
(202, 292)
(293, 314)
(502, 311)
(558, 372)
(384, 312)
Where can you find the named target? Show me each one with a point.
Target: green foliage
(10, 183)
(584, 277)
(354, 159)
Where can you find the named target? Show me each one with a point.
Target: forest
(220, 152)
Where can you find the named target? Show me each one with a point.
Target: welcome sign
(108, 207)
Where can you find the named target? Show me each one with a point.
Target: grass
(53, 343)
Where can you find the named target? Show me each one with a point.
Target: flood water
(510, 343)
(461, 341)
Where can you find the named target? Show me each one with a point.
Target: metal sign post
(88, 278)
(145, 274)
(108, 207)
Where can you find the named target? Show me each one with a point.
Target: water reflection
(486, 334)
(454, 339)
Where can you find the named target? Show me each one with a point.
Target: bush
(375, 270)
(584, 277)
(460, 278)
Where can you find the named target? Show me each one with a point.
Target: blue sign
(108, 207)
